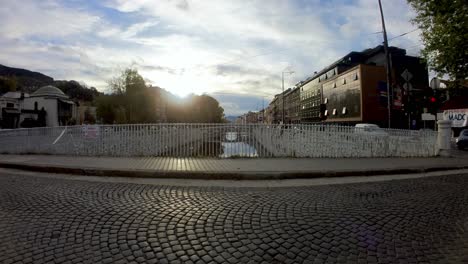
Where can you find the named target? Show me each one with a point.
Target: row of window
(343, 81)
(334, 112)
(308, 94)
(314, 113)
(316, 92)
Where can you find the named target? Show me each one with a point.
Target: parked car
(462, 140)
(369, 129)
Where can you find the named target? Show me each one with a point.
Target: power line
(406, 33)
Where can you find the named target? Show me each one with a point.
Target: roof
(353, 58)
(49, 91)
(11, 111)
(14, 95)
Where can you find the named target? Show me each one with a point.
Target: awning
(11, 111)
(66, 101)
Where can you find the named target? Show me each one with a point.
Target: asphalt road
(49, 220)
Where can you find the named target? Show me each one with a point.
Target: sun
(182, 84)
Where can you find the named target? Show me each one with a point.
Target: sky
(232, 50)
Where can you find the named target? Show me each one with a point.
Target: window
(10, 105)
(325, 101)
(35, 105)
(334, 111)
(355, 78)
(343, 81)
(334, 85)
(344, 111)
(326, 112)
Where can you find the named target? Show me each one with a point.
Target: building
(48, 106)
(269, 114)
(261, 116)
(9, 111)
(292, 106)
(60, 110)
(354, 89)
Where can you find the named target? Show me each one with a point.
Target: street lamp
(282, 85)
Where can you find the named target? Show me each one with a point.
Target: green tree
(132, 101)
(8, 84)
(88, 117)
(444, 26)
(106, 108)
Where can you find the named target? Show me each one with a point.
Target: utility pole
(387, 62)
(282, 95)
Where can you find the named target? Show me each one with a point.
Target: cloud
(196, 46)
(28, 18)
(235, 105)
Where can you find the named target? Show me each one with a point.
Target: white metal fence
(218, 140)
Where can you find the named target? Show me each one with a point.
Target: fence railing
(218, 140)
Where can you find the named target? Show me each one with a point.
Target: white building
(48, 106)
(60, 110)
(9, 111)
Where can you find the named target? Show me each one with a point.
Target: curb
(220, 175)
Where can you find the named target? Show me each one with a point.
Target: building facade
(354, 89)
(292, 106)
(48, 106)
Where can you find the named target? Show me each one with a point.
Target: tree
(132, 101)
(77, 90)
(88, 117)
(8, 84)
(444, 26)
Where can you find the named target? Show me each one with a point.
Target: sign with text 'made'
(458, 117)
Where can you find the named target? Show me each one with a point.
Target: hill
(29, 81)
(231, 118)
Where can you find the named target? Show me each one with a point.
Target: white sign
(91, 132)
(407, 86)
(428, 117)
(407, 76)
(458, 117)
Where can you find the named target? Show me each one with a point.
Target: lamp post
(282, 94)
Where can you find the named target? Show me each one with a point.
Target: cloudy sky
(233, 50)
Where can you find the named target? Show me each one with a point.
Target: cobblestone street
(44, 220)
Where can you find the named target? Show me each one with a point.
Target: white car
(370, 129)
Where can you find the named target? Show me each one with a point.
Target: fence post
(443, 137)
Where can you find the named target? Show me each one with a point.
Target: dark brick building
(353, 90)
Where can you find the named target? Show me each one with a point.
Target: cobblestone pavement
(44, 220)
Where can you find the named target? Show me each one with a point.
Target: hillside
(29, 81)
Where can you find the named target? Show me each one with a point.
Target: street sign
(407, 86)
(407, 76)
(428, 117)
(90, 132)
(457, 116)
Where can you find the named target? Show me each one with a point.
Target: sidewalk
(245, 169)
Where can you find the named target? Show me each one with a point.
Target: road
(58, 220)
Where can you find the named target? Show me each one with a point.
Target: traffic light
(433, 105)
